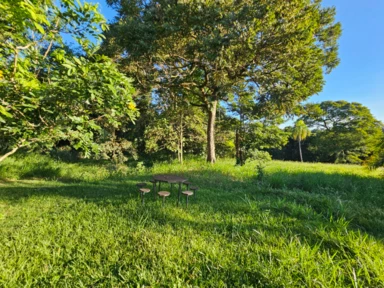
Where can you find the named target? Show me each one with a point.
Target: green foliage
(305, 225)
(225, 134)
(300, 131)
(175, 127)
(260, 135)
(49, 94)
(160, 135)
(344, 132)
(260, 168)
(261, 158)
(377, 159)
(264, 135)
(114, 149)
(276, 49)
(252, 130)
(257, 155)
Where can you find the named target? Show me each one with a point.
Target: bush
(257, 155)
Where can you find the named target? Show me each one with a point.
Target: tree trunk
(181, 148)
(241, 134)
(237, 145)
(178, 144)
(211, 154)
(239, 148)
(178, 151)
(9, 153)
(181, 138)
(301, 155)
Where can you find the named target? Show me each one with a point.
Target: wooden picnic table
(169, 178)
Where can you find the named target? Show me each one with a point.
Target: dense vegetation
(50, 93)
(206, 81)
(67, 224)
(200, 84)
(206, 53)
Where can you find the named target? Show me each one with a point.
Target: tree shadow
(239, 211)
(316, 199)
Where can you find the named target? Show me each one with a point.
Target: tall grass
(82, 224)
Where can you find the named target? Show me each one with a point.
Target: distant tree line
(341, 132)
(331, 132)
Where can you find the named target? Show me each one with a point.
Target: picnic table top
(169, 177)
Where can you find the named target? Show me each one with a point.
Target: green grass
(82, 225)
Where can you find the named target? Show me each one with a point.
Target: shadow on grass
(311, 231)
(309, 199)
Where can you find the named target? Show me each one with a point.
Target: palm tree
(300, 132)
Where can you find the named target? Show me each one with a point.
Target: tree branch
(9, 153)
(25, 47)
(13, 151)
(15, 64)
(51, 43)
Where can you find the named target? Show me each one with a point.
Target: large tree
(280, 48)
(343, 131)
(49, 94)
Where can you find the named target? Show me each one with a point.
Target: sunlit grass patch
(303, 225)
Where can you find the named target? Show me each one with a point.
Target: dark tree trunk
(239, 149)
(211, 154)
(237, 145)
(301, 154)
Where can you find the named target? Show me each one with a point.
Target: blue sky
(360, 75)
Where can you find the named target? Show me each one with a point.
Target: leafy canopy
(344, 131)
(300, 131)
(278, 49)
(47, 92)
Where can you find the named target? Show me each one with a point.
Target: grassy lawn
(82, 225)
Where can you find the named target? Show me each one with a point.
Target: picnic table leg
(154, 190)
(178, 201)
